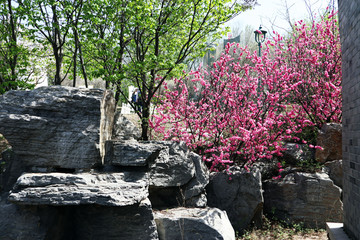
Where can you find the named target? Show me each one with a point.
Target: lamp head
(260, 35)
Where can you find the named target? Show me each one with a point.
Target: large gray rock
(12, 168)
(124, 129)
(197, 184)
(116, 223)
(177, 177)
(194, 191)
(193, 224)
(311, 199)
(335, 171)
(131, 153)
(109, 189)
(173, 167)
(20, 223)
(330, 139)
(241, 196)
(57, 126)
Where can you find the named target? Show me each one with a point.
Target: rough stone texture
(177, 177)
(306, 198)
(335, 171)
(330, 139)
(116, 223)
(296, 153)
(60, 125)
(131, 153)
(21, 223)
(197, 185)
(11, 171)
(124, 129)
(173, 167)
(241, 197)
(109, 189)
(349, 22)
(193, 224)
(199, 201)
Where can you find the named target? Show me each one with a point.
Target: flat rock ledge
(60, 189)
(193, 224)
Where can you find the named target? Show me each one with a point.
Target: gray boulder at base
(308, 198)
(335, 171)
(197, 185)
(116, 223)
(177, 177)
(194, 191)
(12, 169)
(330, 139)
(57, 126)
(59, 189)
(173, 167)
(21, 223)
(241, 197)
(193, 224)
(124, 129)
(131, 153)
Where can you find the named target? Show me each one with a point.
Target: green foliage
(144, 43)
(124, 42)
(14, 57)
(310, 165)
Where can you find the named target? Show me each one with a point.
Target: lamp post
(260, 37)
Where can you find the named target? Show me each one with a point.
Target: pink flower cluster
(246, 106)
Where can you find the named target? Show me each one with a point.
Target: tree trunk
(75, 55)
(58, 62)
(13, 43)
(145, 122)
(83, 66)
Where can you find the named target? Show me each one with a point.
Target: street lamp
(260, 37)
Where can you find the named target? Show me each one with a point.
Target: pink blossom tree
(246, 106)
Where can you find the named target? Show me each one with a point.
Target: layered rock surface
(311, 199)
(61, 126)
(193, 224)
(239, 194)
(60, 189)
(90, 180)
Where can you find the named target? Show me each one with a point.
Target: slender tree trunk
(56, 44)
(83, 66)
(13, 43)
(117, 93)
(75, 55)
(58, 63)
(145, 121)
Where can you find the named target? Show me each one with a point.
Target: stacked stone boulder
(81, 178)
(311, 199)
(239, 194)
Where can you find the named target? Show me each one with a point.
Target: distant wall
(349, 16)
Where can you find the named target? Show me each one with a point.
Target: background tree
(49, 22)
(14, 56)
(143, 43)
(164, 34)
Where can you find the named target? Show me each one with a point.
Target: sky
(270, 13)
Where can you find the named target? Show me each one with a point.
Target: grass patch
(273, 229)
